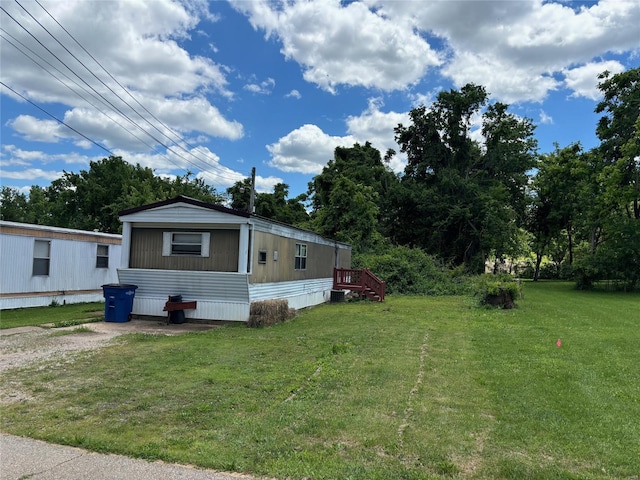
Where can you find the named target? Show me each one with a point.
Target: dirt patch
(22, 346)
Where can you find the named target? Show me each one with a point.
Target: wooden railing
(360, 280)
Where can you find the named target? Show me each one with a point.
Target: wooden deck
(362, 281)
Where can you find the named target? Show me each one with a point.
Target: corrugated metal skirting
(220, 295)
(299, 294)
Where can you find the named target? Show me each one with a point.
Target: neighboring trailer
(223, 259)
(40, 265)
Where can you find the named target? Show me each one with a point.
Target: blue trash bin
(118, 301)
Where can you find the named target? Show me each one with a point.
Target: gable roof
(268, 223)
(184, 199)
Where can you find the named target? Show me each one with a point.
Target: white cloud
(545, 118)
(377, 128)
(294, 94)
(263, 88)
(32, 174)
(196, 114)
(584, 80)
(198, 160)
(17, 156)
(306, 150)
(38, 130)
(266, 184)
(144, 56)
(344, 44)
(516, 49)
(503, 80)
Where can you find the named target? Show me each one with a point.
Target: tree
(462, 200)
(614, 195)
(350, 215)
(275, 206)
(240, 194)
(558, 202)
(363, 165)
(13, 205)
(619, 132)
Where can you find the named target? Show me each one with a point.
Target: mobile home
(222, 259)
(41, 265)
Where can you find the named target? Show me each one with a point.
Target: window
(41, 257)
(194, 244)
(262, 256)
(186, 244)
(301, 256)
(102, 256)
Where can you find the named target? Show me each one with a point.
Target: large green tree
(614, 195)
(350, 215)
(619, 132)
(463, 200)
(352, 198)
(558, 206)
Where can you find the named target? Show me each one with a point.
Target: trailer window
(194, 244)
(186, 244)
(41, 257)
(301, 256)
(102, 257)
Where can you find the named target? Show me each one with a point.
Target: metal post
(252, 197)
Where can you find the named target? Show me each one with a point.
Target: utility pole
(252, 196)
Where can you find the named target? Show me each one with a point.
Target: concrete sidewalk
(22, 458)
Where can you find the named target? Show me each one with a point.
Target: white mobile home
(222, 259)
(40, 264)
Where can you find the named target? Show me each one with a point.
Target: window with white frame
(102, 256)
(41, 257)
(301, 256)
(195, 244)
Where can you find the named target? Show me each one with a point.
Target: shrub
(411, 271)
(497, 290)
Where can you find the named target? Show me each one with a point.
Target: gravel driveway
(23, 346)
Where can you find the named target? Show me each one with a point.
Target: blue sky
(221, 87)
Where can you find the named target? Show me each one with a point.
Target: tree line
(459, 202)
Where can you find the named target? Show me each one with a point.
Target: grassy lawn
(414, 388)
(63, 315)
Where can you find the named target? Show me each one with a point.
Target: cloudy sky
(217, 88)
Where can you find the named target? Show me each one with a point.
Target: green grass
(414, 388)
(63, 333)
(60, 316)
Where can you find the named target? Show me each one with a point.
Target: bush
(497, 290)
(411, 271)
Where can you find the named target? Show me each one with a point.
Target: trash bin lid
(123, 286)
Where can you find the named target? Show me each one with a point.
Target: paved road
(22, 458)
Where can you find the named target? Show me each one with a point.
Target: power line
(114, 107)
(219, 172)
(66, 85)
(126, 90)
(56, 118)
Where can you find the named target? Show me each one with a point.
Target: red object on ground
(559, 343)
